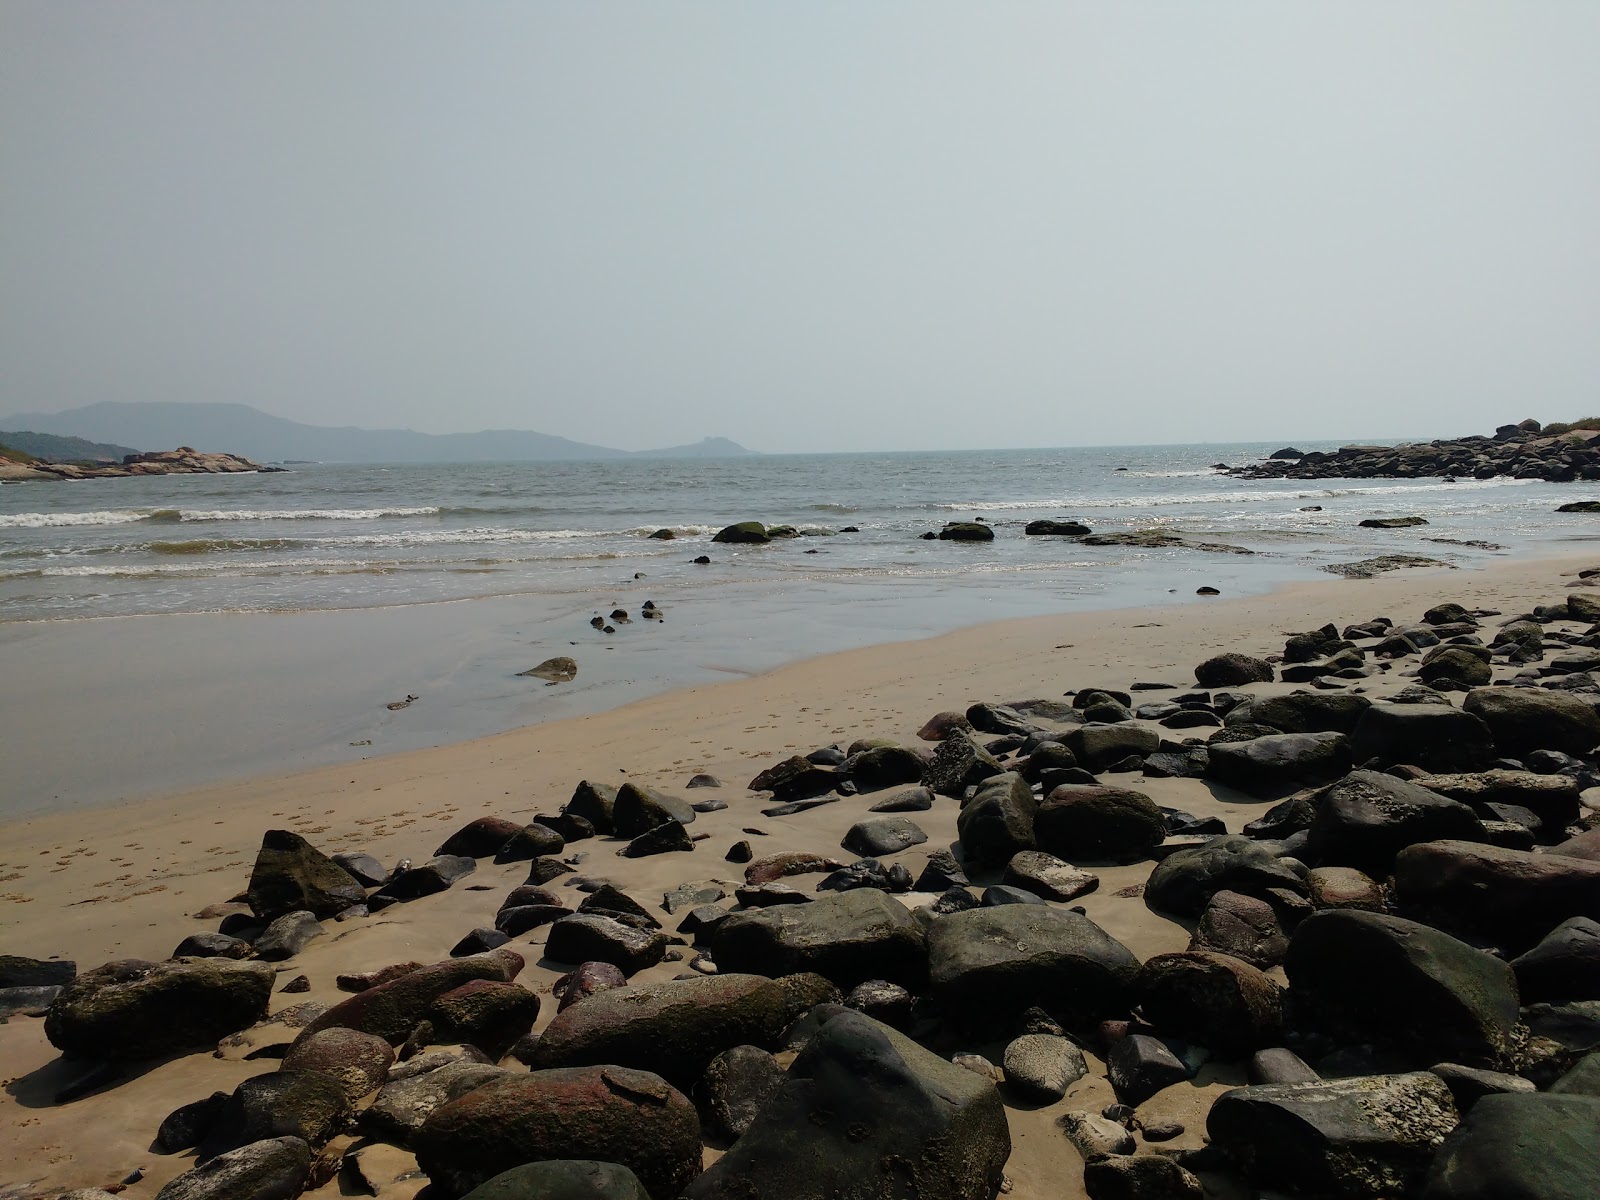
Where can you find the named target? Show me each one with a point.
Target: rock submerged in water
(966, 531)
(1057, 528)
(746, 532)
(555, 670)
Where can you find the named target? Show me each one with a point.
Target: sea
(164, 631)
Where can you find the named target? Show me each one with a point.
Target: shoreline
(129, 880)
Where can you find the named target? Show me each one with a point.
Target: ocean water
(333, 536)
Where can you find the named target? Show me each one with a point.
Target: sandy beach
(126, 881)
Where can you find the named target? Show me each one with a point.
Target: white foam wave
(48, 520)
(306, 514)
(1242, 496)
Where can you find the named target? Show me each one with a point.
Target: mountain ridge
(242, 429)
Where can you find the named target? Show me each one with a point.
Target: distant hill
(240, 429)
(54, 448)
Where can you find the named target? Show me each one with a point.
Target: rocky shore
(1522, 451)
(185, 460)
(1320, 920)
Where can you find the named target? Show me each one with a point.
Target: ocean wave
(680, 530)
(220, 545)
(49, 520)
(1242, 496)
(307, 514)
(833, 508)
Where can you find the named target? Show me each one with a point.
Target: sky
(808, 226)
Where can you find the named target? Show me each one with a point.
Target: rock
(882, 1001)
(1097, 747)
(1183, 883)
(1456, 667)
(1433, 737)
(998, 821)
(478, 941)
(1232, 670)
(1304, 712)
(736, 1085)
(357, 1062)
(287, 936)
(672, 1029)
(1277, 1064)
(917, 799)
(864, 1103)
(19, 972)
(362, 867)
(1096, 1138)
(1512, 896)
(275, 1169)
(1344, 887)
(185, 1127)
(554, 670)
(1370, 1136)
(749, 532)
(1520, 1147)
(1214, 999)
(665, 838)
(1468, 1085)
(848, 938)
(1140, 1066)
(1079, 821)
(583, 938)
(1048, 876)
(1056, 528)
(966, 531)
(432, 877)
(1042, 1066)
(796, 778)
(1522, 720)
(987, 964)
(285, 1103)
(136, 1009)
(1139, 1177)
(885, 766)
(213, 945)
(639, 809)
(1244, 927)
(790, 862)
(530, 842)
(1564, 966)
(290, 875)
(1367, 818)
(594, 802)
(1271, 766)
(1552, 798)
(885, 836)
(543, 870)
(392, 1009)
(485, 1013)
(479, 838)
(403, 1104)
(564, 1178)
(1391, 522)
(1370, 978)
(605, 1113)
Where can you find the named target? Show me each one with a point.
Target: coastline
(127, 881)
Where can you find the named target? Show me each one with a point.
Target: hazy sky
(808, 226)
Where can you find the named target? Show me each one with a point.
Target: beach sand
(124, 882)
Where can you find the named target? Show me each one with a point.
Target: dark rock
(1457, 667)
(862, 1100)
(478, 941)
(604, 1113)
(283, 1103)
(673, 1029)
(275, 1169)
(1271, 766)
(1433, 737)
(882, 1001)
(590, 979)
(998, 821)
(1184, 882)
(790, 862)
(966, 531)
(594, 802)
(287, 936)
(1140, 1066)
(640, 809)
(186, 1127)
(583, 938)
(1097, 747)
(750, 532)
(665, 838)
(1512, 896)
(530, 842)
(1056, 528)
(1276, 1064)
(1242, 926)
(19, 972)
(1520, 1147)
(482, 838)
(1370, 1136)
(213, 945)
(1214, 999)
(1040, 1067)
(940, 872)
(485, 1013)
(432, 877)
(1139, 1177)
(358, 1062)
(884, 766)
(543, 870)
(1552, 798)
(392, 1009)
(1468, 1085)
(564, 1178)
(406, 1101)
(1002, 894)
(736, 1086)
(849, 938)
(1344, 887)
(1048, 876)
(135, 1009)
(1367, 977)
(917, 799)
(362, 867)
(988, 964)
(1522, 720)
(521, 918)
(1367, 818)
(1232, 670)
(882, 837)
(1564, 966)
(290, 875)
(569, 827)
(1085, 822)
(959, 763)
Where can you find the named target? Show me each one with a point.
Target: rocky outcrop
(185, 460)
(1519, 451)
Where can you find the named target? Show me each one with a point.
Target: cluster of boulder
(185, 460)
(1399, 958)
(1521, 451)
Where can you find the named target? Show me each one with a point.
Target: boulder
(1232, 670)
(1080, 821)
(1213, 999)
(1367, 818)
(1097, 747)
(275, 1169)
(1520, 1146)
(391, 1010)
(998, 821)
(531, 841)
(564, 1178)
(594, 802)
(1139, 1066)
(1243, 927)
(1056, 528)
(1040, 1067)
(606, 1113)
(885, 766)
(667, 837)
(959, 763)
(1304, 712)
(987, 964)
(480, 838)
(19, 972)
(357, 1062)
(747, 532)
(1552, 798)
(916, 799)
(1184, 882)
(735, 1087)
(287, 936)
(1522, 720)
(136, 1009)
(1434, 737)
(1139, 1177)
(774, 867)
(1564, 966)
(1048, 876)
(1272, 766)
(673, 1029)
(966, 531)
(1367, 1137)
(432, 877)
(285, 1103)
(866, 1111)
(640, 809)
(942, 725)
(485, 1013)
(587, 937)
(1369, 978)
(1344, 887)
(1460, 668)
(883, 836)
(848, 938)
(403, 1104)
(290, 874)
(1512, 896)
